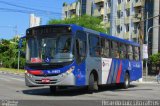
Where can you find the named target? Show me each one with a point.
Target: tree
(155, 60)
(90, 22)
(9, 53)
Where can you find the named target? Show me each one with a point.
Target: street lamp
(147, 43)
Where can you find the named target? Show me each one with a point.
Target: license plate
(45, 80)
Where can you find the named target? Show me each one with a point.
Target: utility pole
(147, 44)
(141, 38)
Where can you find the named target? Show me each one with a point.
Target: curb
(4, 72)
(145, 82)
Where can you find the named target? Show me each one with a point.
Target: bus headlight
(70, 70)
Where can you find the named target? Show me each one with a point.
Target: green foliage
(9, 53)
(90, 22)
(155, 59)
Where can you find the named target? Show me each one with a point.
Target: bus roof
(106, 35)
(76, 27)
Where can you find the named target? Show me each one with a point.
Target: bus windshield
(50, 49)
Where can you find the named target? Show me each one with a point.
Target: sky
(15, 13)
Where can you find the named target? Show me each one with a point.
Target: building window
(127, 12)
(119, 14)
(109, 4)
(136, 1)
(127, 27)
(118, 29)
(83, 6)
(119, 1)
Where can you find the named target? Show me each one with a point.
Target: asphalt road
(12, 87)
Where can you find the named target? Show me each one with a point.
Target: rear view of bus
(49, 57)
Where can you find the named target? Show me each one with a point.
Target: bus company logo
(53, 71)
(103, 64)
(47, 60)
(137, 66)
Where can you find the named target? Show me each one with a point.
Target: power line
(33, 9)
(25, 11)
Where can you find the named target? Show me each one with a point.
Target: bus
(68, 55)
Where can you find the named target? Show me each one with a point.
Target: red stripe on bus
(119, 73)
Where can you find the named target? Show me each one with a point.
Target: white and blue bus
(71, 55)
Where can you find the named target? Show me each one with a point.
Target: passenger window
(130, 52)
(95, 46)
(136, 53)
(114, 49)
(122, 50)
(80, 46)
(105, 47)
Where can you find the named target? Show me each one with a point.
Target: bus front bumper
(59, 80)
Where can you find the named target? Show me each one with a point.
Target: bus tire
(126, 83)
(93, 83)
(53, 89)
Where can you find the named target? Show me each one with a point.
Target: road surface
(12, 87)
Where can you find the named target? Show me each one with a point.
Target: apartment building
(152, 8)
(124, 17)
(121, 18)
(78, 8)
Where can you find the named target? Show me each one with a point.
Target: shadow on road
(76, 91)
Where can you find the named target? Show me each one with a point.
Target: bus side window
(105, 47)
(80, 46)
(130, 52)
(136, 53)
(122, 50)
(94, 45)
(114, 49)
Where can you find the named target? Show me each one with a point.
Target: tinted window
(105, 47)
(94, 45)
(130, 52)
(114, 49)
(136, 53)
(122, 50)
(81, 40)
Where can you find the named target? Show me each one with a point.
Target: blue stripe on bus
(115, 72)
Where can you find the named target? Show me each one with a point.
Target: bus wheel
(53, 89)
(93, 83)
(126, 83)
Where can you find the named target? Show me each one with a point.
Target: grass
(11, 70)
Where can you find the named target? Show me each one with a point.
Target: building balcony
(119, 7)
(118, 22)
(108, 24)
(128, 5)
(98, 12)
(134, 34)
(126, 35)
(65, 8)
(98, 1)
(135, 20)
(127, 20)
(137, 3)
(102, 11)
(108, 11)
(72, 6)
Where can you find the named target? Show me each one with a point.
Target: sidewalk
(148, 79)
